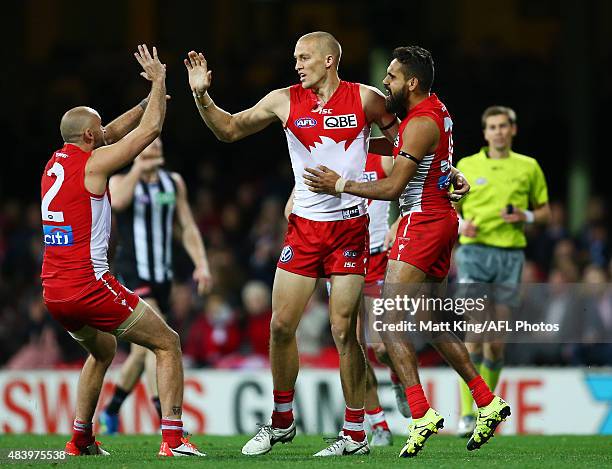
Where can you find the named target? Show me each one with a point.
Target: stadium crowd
(229, 328)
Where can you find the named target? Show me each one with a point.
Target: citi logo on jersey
(58, 235)
(305, 122)
(344, 121)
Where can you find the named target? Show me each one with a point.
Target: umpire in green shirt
(508, 191)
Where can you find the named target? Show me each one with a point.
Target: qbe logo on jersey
(58, 235)
(345, 121)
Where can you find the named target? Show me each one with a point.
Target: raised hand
(154, 70)
(197, 70)
(142, 165)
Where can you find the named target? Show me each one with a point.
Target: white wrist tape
(461, 224)
(529, 216)
(340, 183)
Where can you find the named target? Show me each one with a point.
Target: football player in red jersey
(78, 289)
(327, 120)
(421, 176)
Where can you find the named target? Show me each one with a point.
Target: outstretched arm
(106, 160)
(191, 237)
(231, 127)
(419, 137)
(125, 123)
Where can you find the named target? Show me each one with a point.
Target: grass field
(441, 451)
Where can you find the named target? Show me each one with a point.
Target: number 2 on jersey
(48, 215)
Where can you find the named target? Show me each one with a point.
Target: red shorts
(425, 240)
(104, 304)
(377, 267)
(322, 248)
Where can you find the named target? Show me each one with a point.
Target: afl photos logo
(286, 254)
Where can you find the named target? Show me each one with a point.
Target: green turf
(441, 451)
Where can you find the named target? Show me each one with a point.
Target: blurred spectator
(256, 298)
(266, 237)
(213, 335)
(543, 238)
(41, 349)
(595, 347)
(182, 309)
(594, 237)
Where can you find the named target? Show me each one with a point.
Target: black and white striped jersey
(145, 231)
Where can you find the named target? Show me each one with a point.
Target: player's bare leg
(290, 295)
(344, 301)
(101, 347)
(151, 331)
(467, 421)
(343, 308)
(139, 359)
(427, 421)
(382, 356)
(381, 435)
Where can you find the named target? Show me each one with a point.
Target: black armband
(389, 125)
(409, 156)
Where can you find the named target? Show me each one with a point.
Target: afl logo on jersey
(351, 254)
(286, 254)
(305, 122)
(345, 121)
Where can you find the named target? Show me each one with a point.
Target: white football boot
(266, 437)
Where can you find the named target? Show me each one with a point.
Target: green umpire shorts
(477, 263)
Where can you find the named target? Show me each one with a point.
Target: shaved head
(76, 121)
(325, 43)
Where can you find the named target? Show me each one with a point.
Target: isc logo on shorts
(286, 254)
(345, 121)
(58, 235)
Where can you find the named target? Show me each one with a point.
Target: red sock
(480, 391)
(417, 401)
(282, 415)
(353, 423)
(82, 435)
(394, 378)
(376, 418)
(172, 432)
